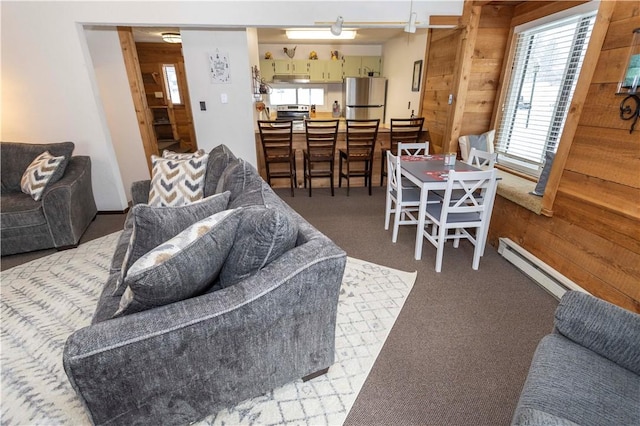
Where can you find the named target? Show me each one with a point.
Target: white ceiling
(277, 35)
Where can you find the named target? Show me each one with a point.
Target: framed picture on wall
(417, 73)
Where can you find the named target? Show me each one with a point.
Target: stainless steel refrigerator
(365, 97)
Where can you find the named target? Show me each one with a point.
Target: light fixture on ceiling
(172, 37)
(336, 27)
(411, 25)
(319, 34)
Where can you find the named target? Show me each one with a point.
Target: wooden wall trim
(589, 66)
(462, 74)
(132, 66)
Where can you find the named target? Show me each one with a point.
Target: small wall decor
(219, 67)
(335, 55)
(417, 74)
(289, 51)
(313, 55)
(629, 85)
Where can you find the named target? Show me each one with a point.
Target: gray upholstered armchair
(62, 213)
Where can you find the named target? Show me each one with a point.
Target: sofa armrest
(602, 327)
(140, 191)
(68, 204)
(183, 361)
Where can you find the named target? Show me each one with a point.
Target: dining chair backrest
(321, 135)
(393, 166)
(276, 137)
(474, 196)
(483, 142)
(361, 136)
(482, 159)
(420, 148)
(407, 130)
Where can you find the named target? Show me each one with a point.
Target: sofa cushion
(219, 159)
(263, 235)
(183, 267)
(19, 210)
(569, 381)
(581, 318)
(238, 178)
(16, 156)
(153, 226)
(38, 174)
(177, 182)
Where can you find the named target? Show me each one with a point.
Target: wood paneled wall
(593, 234)
(593, 237)
(151, 57)
(439, 80)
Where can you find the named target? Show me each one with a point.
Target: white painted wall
(50, 91)
(399, 54)
(113, 83)
(228, 123)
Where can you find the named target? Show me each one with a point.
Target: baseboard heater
(544, 275)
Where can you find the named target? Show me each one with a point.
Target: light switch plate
(224, 98)
(159, 95)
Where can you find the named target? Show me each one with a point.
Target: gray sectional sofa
(245, 333)
(64, 211)
(587, 372)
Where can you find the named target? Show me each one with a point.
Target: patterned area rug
(44, 301)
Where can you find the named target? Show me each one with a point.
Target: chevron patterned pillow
(38, 174)
(177, 182)
(170, 155)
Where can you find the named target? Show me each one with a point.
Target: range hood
(291, 78)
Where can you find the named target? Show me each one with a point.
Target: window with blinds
(545, 71)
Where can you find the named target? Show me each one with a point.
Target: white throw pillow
(177, 182)
(38, 174)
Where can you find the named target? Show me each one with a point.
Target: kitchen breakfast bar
(299, 143)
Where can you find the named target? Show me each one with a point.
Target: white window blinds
(545, 71)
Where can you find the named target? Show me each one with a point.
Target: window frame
(509, 107)
(598, 34)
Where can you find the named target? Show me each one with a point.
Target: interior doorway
(158, 83)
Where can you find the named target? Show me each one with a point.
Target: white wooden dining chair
(482, 159)
(470, 211)
(403, 203)
(413, 148)
(420, 148)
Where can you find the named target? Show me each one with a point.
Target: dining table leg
(422, 214)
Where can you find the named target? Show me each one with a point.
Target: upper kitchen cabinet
(361, 66)
(326, 71)
(291, 66)
(267, 69)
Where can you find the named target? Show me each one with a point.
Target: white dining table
(429, 173)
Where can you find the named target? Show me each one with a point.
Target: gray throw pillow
(544, 176)
(219, 159)
(153, 226)
(263, 235)
(183, 267)
(238, 177)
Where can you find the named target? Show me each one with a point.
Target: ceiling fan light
(172, 37)
(336, 28)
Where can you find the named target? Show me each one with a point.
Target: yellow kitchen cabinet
(325, 71)
(267, 69)
(291, 66)
(361, 66)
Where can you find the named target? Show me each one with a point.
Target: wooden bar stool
(277, 147)
(361, 142)
(319, 156)
(405, 130)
